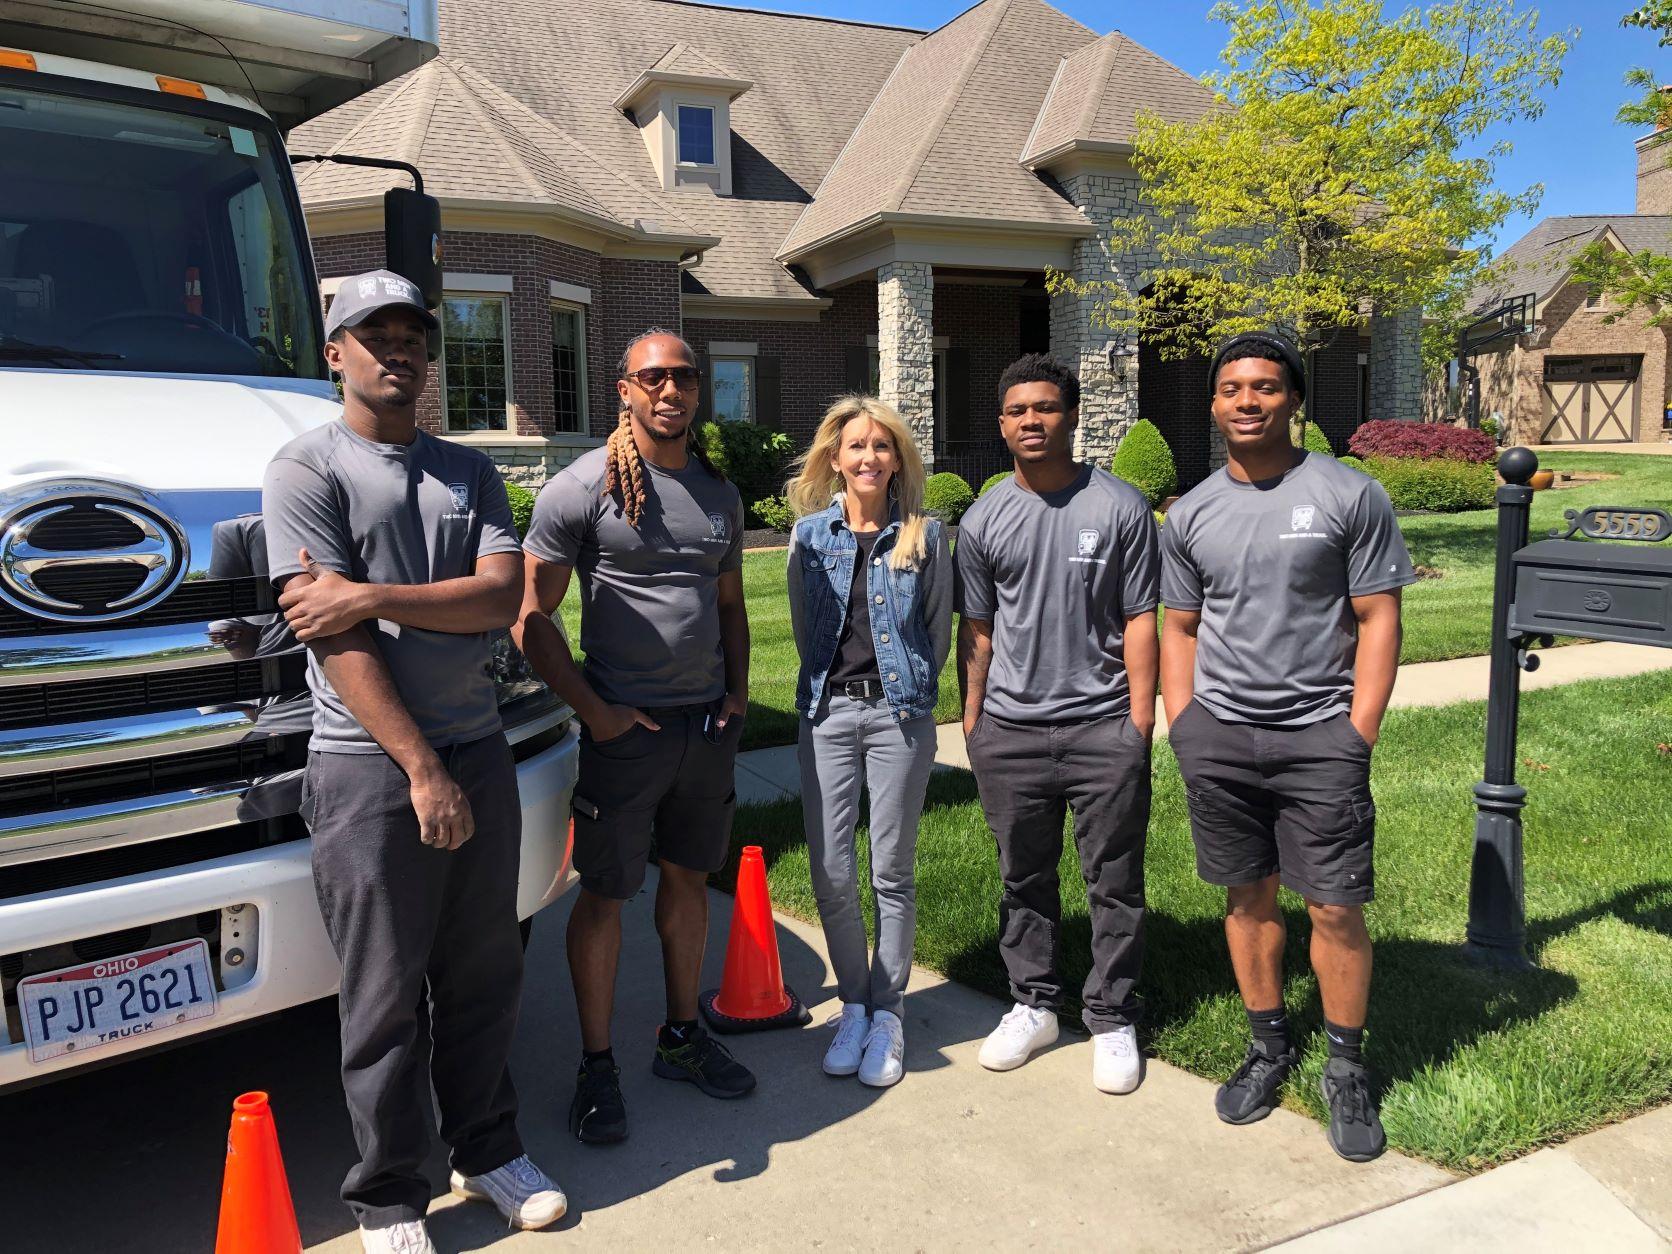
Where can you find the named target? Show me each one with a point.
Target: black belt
(860, 689)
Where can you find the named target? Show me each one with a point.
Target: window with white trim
(733, 388)
(569, 366)
(475, 362)
(696, 134)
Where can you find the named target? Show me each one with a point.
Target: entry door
(1590, 400)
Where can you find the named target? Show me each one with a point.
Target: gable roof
(942, 137)
(1541, 260)
(1098, 92)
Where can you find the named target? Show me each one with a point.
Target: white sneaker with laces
(885, 1051)
(1022, 1030)
(525, 1195)
(843, 1056)
(1116, 1064)
(411, 1237)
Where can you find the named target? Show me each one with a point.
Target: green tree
(1640, 283)
(1345, 170)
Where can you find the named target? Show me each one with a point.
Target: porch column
(1396, 367)
(906, 346)
(1108, 394)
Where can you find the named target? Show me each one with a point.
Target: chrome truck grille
(178, 731)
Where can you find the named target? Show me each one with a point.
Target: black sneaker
(598, 1115)
(705, 1063)
(1251, 1094)
(1355, 1128)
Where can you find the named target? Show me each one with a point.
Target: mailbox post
(1557, 586)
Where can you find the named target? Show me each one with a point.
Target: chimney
(1654, 162)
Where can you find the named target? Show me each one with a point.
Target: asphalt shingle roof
(1100, 90)
(1539, 262)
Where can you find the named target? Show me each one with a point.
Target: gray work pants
(1029, 776)
(854, 744)
(404, 917)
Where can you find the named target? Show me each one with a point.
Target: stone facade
(1654, 174)
(1396, 367)
(1108, 397)
(906, 346)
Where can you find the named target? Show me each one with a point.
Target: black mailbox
(1599, 591)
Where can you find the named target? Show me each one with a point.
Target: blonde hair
(815, 481)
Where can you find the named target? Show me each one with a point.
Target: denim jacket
(911, 626)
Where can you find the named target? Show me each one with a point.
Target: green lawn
(1480, 1066)
(1445, 617)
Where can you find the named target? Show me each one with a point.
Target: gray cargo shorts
(671, 787)
(1287, 801)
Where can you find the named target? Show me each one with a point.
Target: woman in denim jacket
(870, 585)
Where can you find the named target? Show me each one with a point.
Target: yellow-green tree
(1347, 169)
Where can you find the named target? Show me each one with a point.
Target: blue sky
(1581, 155)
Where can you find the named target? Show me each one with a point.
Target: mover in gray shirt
(1281, 576)
(656, 534)
(1056, 583)
(396, 557)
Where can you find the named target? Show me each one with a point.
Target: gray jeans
(854, 744)
(1030, 776)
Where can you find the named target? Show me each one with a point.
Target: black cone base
(796, 1016)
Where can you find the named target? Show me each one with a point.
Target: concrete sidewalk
(953, 1158)
(768, 775)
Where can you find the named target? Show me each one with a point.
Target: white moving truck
(159, 339)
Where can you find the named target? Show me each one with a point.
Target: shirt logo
(718, 525)
(1088, 542)
(461, 497)
(1300, 518)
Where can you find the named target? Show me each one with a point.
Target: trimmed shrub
(752, 457)
(1144, 460)
(1355, 462)
(1407, 440)
(1314, 441)
(522, 506)
(1444, 485)
(774, 512)
(947, 496)
(995, 479)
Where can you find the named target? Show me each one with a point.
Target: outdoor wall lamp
(1121, 354)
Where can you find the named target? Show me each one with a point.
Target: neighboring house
(1577, 379)
(820, 206)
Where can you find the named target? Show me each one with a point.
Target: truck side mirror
(412, 239)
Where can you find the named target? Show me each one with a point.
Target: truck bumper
(293, 958)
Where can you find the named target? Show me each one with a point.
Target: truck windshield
(139, 238)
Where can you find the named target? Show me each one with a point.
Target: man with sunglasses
(656, 534)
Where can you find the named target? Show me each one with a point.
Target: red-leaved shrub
(1422, 439)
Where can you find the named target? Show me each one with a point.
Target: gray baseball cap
(361, 295)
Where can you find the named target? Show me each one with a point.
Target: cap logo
(367, 288)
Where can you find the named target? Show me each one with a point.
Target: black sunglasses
(652, 377)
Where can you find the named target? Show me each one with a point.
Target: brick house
(819, 205)
(1577, 378)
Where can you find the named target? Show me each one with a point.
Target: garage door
(1590, 400)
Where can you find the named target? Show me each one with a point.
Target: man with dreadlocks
(656, 533)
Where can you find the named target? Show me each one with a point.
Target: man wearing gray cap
(396, 557)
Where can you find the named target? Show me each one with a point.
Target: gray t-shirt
(393, 514)
(650, 618)
(1272, 566)
(1058, 575)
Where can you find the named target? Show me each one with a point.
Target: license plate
(115, 999)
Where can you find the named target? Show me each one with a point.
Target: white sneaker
(842, 1058)
(1116, 1064)
(1021, 1031)
(411, 1237)
(885, 1051)
(524, 1194)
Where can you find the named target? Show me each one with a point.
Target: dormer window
(696, 135)
(682, 107)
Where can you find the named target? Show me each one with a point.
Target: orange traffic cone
(752, 995)
(256, 1214)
